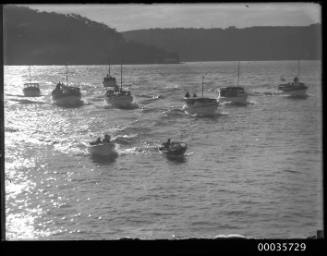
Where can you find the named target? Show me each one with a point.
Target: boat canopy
(31, 85)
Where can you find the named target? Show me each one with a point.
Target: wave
(14, 95)
(174, 112)
(150, 110)
(231, 236)
(26, 101)
(125, 139)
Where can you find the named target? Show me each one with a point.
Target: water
(254, 170)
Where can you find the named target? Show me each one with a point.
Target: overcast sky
(125, 17)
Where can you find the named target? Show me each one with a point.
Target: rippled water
(253, 170)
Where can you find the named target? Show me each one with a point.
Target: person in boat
(166, 144)
(106, 139)
(296, 81)
(187, 95)
(98, 141)
(194, 95)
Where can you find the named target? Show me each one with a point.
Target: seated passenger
(166, 144)
(194, 95)
(98, 141)
(296, 81)
(106, 139)
(187, 95)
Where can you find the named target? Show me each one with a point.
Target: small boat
(173, 149)
(31, 89)
(233, 94)
(202, 106)
(119, 97)
(67, 96)
(294, 89)
(102, 148)
(109, 81)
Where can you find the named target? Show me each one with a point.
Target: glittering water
(254, 170)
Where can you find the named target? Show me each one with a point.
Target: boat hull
(201, 106)
(237, 100)
(68, 101)
(110, 83)
(295, 91)
(106, 149)
(176, 150)
(120, 101)
(31, 92)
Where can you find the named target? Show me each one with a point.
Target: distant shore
(158, 63)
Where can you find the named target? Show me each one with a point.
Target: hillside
(254, 43)
(42, 38)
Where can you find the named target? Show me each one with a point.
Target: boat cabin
(31, 85)
(231, 91)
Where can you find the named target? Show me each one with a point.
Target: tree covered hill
(42, 38)
(254, 43)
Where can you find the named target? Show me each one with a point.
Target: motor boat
(201, 106)
(296, 88)
(233, 94)
(32, 90)
(109, 81)
(102, 148)
(67, 96)
(118, 97)
(173, 149)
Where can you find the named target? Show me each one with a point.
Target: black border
(155, 247)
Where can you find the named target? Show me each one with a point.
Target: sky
(124, 17)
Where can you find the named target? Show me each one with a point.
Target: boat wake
(125, 139)
(234, 104)
(174, 113)
(26, 101)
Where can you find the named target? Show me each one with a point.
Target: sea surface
(254, 170)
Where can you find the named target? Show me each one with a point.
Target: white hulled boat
(67, 96)
(31, 89)
(102, 148)
(173, 149)
(201, 106)
(109, 81)
(294, 89)
(118, 97)
(233, 94)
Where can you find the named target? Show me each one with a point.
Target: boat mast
(298, 69)
(66, 75)
(121, 77)
(238, 73)
(202, 85)
(109, 66)
(29, 72)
